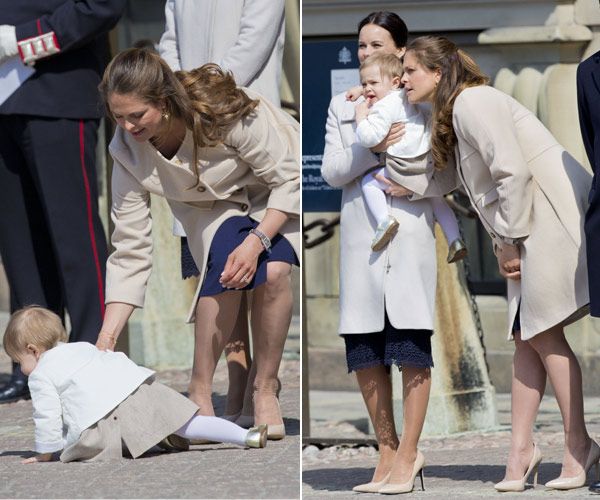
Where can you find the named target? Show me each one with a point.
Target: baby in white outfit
(406, 161)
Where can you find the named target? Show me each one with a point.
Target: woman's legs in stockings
(237, 353)
(528, 385)
(217, 315)
(565, 376)
(416, 385)
(271, 316)
(376, 387)
(546, 353)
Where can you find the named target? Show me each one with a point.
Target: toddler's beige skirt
(148, 415)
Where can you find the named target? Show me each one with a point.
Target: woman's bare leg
(237, 353)
(272, 305)
(565, 376)
(376, 387)
(416, 385)
(215, 318)
(528, 385)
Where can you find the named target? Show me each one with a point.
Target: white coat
(400, 280)
(74, 386)
(394, 108)
(415, 144)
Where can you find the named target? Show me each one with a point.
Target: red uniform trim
(39, 26)
(88, 201)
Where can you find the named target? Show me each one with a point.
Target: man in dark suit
(52, 242)
(588, 100)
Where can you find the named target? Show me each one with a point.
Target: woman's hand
(396, 133)
(42, 457)
(509, 261)
(241, 264)
(106, 341)
(115, 319)
(394, 188)
(354, 93)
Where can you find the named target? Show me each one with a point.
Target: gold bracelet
(112, 337)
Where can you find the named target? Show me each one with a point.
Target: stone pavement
(208, 471)
(461, 466)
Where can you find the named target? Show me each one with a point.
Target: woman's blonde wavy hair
(458, 72)
(207, 99)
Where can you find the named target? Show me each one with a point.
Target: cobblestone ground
(208, 471)
(462, 466)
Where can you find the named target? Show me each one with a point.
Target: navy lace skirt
(389, 347)
(188, 266)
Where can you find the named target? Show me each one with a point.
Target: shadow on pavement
(292, 426)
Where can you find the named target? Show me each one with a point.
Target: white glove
(8, 42)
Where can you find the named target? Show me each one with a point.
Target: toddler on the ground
(86, 402)
(406, 161)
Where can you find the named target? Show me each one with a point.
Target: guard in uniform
(52, 242)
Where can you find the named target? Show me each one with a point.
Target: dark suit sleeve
(75, 22)
(585, 121)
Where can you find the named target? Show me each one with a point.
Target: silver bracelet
(264, 239)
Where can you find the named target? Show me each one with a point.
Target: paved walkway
(209, 471)
(462, 466)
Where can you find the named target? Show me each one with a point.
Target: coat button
(244, 207)
(201, 189)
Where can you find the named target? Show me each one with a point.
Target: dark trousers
(51, 239)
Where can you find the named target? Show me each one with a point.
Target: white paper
(12, 75)
(343, 79)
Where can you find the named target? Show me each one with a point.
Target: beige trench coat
(256, 168)
(525, 186)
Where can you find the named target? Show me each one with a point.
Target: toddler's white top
(393, 108)
(75, 385)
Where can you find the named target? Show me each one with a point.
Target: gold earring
(165, 116)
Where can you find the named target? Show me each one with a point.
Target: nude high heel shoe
(519, 484)
(394, 489)
(275, 431)
(371, 487)
(569, 483)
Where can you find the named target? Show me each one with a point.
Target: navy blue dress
(229, 236)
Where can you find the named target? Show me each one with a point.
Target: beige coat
(400, 280)
(256, 168)
(524, 185)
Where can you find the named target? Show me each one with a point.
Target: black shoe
(595, 488)
(13, 391)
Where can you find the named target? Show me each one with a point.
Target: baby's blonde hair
(33, 325)
(389, 65)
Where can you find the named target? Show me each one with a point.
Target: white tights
(374, 193)
(213, 429)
